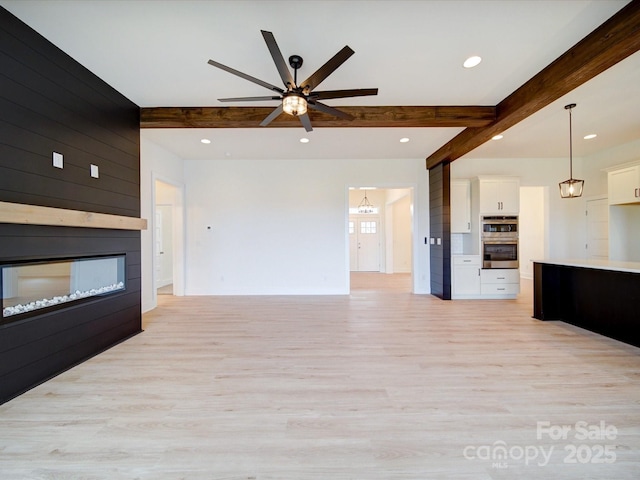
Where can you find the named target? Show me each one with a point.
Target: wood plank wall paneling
(440, 227)
(49, 102)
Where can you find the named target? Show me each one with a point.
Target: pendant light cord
(570, 147)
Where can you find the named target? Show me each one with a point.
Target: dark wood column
(440, 228)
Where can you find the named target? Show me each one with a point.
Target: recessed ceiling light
(227, 154)
(304, 140)
(590, 136)
(497, 137)
(404, 140)
(472, 62)
(206, 141)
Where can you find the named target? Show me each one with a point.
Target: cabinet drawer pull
(501, 278)
(501, 289)
(466, 261)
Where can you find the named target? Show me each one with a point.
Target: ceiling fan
(296, 97)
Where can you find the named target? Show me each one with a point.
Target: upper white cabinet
(498, 195)
(624, 185)
(460, 206)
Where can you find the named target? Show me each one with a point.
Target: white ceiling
(156, 52)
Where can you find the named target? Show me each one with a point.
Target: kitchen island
(599, 295)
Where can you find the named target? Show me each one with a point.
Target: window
(369, 227)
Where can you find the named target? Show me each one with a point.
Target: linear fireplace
(32, 287)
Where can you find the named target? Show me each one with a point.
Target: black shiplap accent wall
(49, 102)
(440, 227)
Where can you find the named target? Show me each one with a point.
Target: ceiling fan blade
(306, 122)
(356, 92)
(245, 76)
(327, 69)
(330, 110)
(278, 59)
(248, 99)
(272, 116)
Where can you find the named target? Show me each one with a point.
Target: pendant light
(571, 188)
(365, 205)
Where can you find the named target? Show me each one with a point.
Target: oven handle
(495, 241)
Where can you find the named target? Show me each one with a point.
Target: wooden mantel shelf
(36, 215)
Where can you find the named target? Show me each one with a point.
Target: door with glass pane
(364, 243)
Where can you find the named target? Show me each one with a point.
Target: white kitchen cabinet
(465, 281)
(460, 206)
(498, 195)
(499, 282)
(624, 185)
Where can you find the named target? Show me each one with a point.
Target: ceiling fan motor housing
(295, 61)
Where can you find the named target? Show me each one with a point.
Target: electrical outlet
(95, 172)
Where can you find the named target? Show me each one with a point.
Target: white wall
(401, 235)
(533, 230)
(156, 163)
(279, 227)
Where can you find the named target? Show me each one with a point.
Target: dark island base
(603, 301)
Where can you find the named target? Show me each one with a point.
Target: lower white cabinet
(499, 282)
(466, 276)
(469, 280)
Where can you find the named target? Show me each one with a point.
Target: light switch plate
(95, 173)
(58, 160)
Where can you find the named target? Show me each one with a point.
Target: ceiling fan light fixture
(294, 104)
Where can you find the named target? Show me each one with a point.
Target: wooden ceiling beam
(377, 116)
(611, 42)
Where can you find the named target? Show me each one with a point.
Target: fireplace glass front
(30, 286)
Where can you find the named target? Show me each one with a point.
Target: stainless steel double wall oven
(499, 241)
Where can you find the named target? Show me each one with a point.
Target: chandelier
(365, 205)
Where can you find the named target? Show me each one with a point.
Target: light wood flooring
(379, 384)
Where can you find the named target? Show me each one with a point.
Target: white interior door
(353, 245)
(367, 244)
(159, 252)
(598, 228)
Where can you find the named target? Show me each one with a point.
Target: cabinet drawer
(500, 275)
(500, 289)
(469, 260)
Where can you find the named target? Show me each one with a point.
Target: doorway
(381, 241)
(167, 239)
